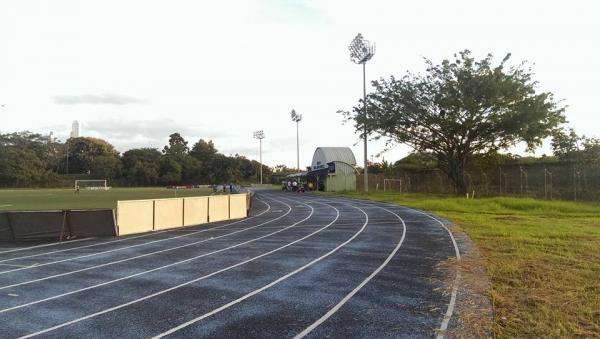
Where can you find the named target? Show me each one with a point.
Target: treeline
(31, 160)
(568, 148)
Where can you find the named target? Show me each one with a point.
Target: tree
(567, 145)
(204, 151)
(460, 108)
(26, 159)
(177, 145)
(82, 153)
(141, 166)
(170, 171)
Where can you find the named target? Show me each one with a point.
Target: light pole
(260, 135)
(361, 51)
(297, 118)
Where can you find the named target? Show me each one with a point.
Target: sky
(133, 72)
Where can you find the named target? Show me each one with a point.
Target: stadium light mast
(297, 118)
(361, 51)
(260, 135)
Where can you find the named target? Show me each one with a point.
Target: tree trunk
(455, 169)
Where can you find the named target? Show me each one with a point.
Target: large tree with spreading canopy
(460, 108)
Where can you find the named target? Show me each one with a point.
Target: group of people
(227, 188)
(292, 186)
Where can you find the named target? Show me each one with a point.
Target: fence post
(574, 186)
(500, 168)
(545, 184)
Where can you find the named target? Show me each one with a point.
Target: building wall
(344, 178)
(340, 182)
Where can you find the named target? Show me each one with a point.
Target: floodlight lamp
(295, 116)
(259, 134)
(361, 50)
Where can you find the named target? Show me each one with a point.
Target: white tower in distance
(75, 129)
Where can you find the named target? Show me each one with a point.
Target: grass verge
(542, 259)
(48, 199)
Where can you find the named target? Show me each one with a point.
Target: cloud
(103, 99)
(126, 135)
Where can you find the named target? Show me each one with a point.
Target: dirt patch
(473, 311)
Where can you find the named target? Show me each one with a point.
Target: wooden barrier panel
(195, 211)
(218, 208)
(135, 216)
(168, 213)
(238, 206)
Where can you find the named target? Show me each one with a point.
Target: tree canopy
(460, 108)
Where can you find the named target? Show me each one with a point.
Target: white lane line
(450, 310)
(127, 247)
(118, 240)
(165, 266)
(361, 285)
(6, 205)
(180, 285)
(257, 291)
(46, 245)
(14, 265)
(129, 258)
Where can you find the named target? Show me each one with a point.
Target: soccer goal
(100, 185)
(392, 185)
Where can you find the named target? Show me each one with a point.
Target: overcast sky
(133, 72)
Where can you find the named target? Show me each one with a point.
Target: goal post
(392, 185)
(92, 185)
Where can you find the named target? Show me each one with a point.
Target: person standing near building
(294, 186)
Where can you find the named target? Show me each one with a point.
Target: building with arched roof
(332, 170)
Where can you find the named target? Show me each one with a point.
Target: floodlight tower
(361, 51)
(260, 135)
(297, 118)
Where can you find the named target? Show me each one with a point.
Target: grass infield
(52, 199)
(542, 258)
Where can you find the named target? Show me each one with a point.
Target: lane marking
(16, 265)
(257, 291)
(125, 247)
(131, 258)
(174, 287)
(46, 245)
(450, 310)
(334, 309)
(6, 205)
(164, 266)
(119, 240)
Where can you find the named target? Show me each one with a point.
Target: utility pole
(361, 51)
(260, 135)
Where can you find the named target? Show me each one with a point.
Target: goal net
(91, 185)
(392, 185)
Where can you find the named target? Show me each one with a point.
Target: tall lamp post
(260, 135)
(297, 118)
(361, 51)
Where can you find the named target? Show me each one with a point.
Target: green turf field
(47, 199)
(542, 258)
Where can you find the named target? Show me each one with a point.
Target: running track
(301, 265)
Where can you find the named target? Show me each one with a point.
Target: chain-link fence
(565, 181)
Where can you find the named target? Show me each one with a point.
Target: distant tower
(75, 129)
